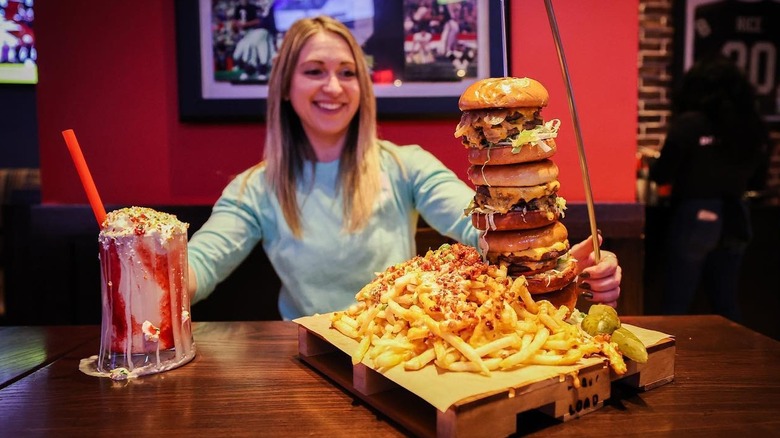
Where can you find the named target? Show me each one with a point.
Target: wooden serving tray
(557, 397)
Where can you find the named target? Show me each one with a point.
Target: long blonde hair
(287, 148)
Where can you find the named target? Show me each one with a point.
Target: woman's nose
(332, 84)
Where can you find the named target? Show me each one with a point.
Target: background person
(716, 148)
(331, 203)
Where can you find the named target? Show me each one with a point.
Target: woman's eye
(348, 73)
(315, 72)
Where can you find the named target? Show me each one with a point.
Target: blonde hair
(287, 148)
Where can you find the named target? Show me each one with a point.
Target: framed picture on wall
(422, 55)
(18, 49)
(746, 31)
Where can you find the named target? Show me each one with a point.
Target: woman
(331, 203)
(716, 146)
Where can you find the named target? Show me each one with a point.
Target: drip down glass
(146, 325)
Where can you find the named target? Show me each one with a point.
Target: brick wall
(655, 79)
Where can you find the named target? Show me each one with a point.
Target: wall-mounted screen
(18, 54)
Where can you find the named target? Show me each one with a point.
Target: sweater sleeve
(439, 195)
(227, 237)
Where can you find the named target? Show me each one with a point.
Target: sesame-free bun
(514, 175)
(498, 155)
(522, 240)
(505, 92)
(514, 220)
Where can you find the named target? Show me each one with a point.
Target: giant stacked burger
(516, 202)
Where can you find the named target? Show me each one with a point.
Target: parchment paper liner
(442, 389)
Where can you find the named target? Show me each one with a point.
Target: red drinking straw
(86, 177)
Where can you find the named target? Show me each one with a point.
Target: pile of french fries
(451, 309)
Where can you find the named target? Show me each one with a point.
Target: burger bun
(554, 279)
(498, 155)
(514, 175)
(506, 92)
(522, 240)
(514, 220)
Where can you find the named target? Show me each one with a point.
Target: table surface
(25, 349)
(247, 380)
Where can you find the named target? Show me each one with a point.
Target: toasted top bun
(505, 155)
(505, 92)
(514, 175)
(517, 241)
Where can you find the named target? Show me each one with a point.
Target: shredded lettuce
(536, 136)
(473, 208)
(560, 202)
(576, 317)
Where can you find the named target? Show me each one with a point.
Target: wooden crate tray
(556, 397)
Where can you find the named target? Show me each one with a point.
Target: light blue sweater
(324, 270)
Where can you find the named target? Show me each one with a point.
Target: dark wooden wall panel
(53, 272)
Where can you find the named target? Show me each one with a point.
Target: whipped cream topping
(142, 221)
(151, 333)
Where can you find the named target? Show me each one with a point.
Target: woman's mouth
(329, 106)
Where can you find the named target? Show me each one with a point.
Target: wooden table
(26, 349)
(246, 380)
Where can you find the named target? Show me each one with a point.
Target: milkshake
(146, 324)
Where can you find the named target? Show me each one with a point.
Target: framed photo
(18, 49)
(422, 54)
(746, 31)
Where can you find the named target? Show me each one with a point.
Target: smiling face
(325, 92)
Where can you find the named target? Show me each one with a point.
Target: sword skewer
(576, 123)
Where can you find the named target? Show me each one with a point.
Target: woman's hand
(597, 282)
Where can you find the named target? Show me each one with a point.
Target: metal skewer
(577, 133)
(503, 39)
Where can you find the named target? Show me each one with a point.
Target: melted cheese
(538, 253)
(503, 198)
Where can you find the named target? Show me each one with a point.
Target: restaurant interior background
(109, 71)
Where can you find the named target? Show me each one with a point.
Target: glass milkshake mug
(146, 325)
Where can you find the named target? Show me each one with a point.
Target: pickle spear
(603, 319)
(629, 345)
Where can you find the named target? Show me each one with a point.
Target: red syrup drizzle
(157, 265)
(116, 301)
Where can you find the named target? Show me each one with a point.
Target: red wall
(108, 71)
